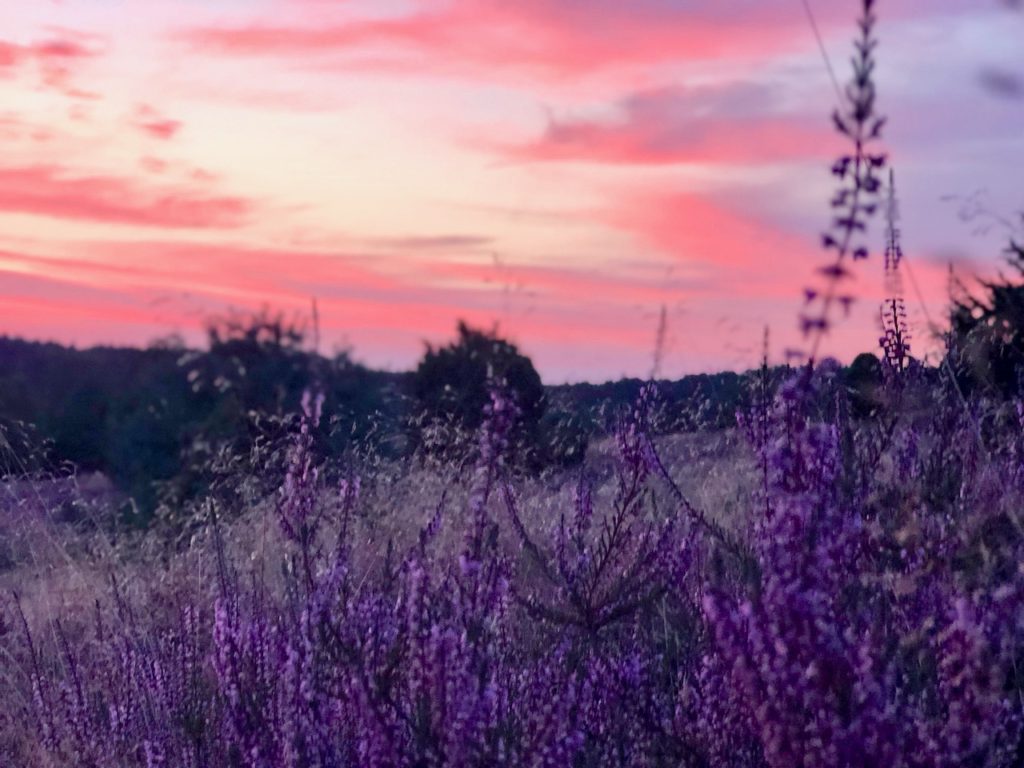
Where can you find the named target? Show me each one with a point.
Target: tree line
(155, 420)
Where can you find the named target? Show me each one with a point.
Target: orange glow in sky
(563, 168)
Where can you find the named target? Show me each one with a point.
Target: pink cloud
(577, 285)
(119, 280)
(161, 129)
(59, 50)
(561, 39)
(453, 242)
(752, 256)
(150, 121)
(153, 164)
(55, 59)
(484, 38)
(725, 124)
(54, 192)
(130, 292)
(343, 275)
(14, 127)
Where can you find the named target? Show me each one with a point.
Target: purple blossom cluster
(867, 609)
(861, 618)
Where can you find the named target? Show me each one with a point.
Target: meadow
(834, 578)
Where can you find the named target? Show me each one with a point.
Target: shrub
(450, 388)
(867, 609)
(988, 332)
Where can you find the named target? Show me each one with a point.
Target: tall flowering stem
(895, 340)
(856, 199)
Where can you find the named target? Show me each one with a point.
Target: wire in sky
(821, 47)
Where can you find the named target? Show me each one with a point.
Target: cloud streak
(154, 124)
(556, 39)
(60, 193)
(532, 37)
(565, 167)
(681, 125)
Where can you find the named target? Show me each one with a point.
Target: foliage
(988, 332)
(867, 609)
(863, 381)
(869, 615)
(169, 425)
(155, 419)
(450, 388)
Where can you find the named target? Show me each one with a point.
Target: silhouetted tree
(160, 421)
(248, 385)
(451, 389)
(863, 381)
(988, 332)
(257, 359)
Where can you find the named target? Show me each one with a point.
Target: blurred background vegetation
(168, 425)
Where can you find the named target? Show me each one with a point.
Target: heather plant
(863, 606)
(125, 691)
(598, 578)
(408, 666)
(856, 199)
(858, 645)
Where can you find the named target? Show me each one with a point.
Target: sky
(559, 169)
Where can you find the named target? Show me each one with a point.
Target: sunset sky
(563, 168)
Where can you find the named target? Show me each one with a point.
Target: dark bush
(863, 383)
(451, 387)
(988, 332)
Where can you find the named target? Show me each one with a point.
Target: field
(830, 574)
(809, 589)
